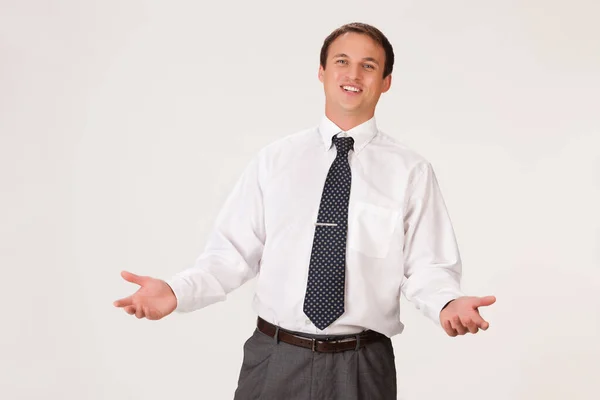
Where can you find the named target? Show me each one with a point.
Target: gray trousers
(280, 371)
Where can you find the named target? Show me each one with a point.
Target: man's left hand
(462, 315)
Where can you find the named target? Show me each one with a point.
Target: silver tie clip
(325, 224)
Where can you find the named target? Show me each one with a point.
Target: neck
(347, 121)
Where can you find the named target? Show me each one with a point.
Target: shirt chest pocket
(371, 228)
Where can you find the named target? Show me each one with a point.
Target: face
(353, 76)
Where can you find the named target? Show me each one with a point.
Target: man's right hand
(153, 300)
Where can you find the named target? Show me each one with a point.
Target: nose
(355, 72)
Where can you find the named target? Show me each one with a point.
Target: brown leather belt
(333, 345)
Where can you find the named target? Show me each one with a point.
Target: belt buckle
(314, 343)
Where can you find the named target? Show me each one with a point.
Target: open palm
(462, 315)
(153, 300)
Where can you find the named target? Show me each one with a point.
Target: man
(336, 221)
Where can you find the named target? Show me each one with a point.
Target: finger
(130, 310)
(152, 315)
(146, 312)
(480, 322)
(124, 302)
(470, 324)
(456, 324)
(448, 328)
(139, 312)
(133, 278)
(485, 301)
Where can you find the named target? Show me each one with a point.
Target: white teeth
(350, 88)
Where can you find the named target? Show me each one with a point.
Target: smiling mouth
(351, 89)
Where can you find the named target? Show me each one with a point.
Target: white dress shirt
(400, 237)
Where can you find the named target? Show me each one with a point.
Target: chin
(349, 108)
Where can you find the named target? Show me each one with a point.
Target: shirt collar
(362, 134)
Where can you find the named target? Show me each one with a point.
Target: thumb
(485, 301)
(133, 278)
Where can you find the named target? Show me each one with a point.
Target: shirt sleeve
(432, 260)
(234, 248)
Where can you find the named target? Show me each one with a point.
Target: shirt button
(307, 322)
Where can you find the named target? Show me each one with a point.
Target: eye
(341, 62)
(369, 66)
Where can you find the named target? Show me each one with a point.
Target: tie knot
(343, 144)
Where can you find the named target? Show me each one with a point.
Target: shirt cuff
(435, 305)
(180, 288)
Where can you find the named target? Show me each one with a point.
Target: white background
(124, 124)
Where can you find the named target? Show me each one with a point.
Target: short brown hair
(365, 29)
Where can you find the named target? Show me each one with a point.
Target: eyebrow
(364, 59)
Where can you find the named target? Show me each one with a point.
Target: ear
(387, 82)
(321, 73)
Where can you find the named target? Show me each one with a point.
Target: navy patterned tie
(324, 299)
